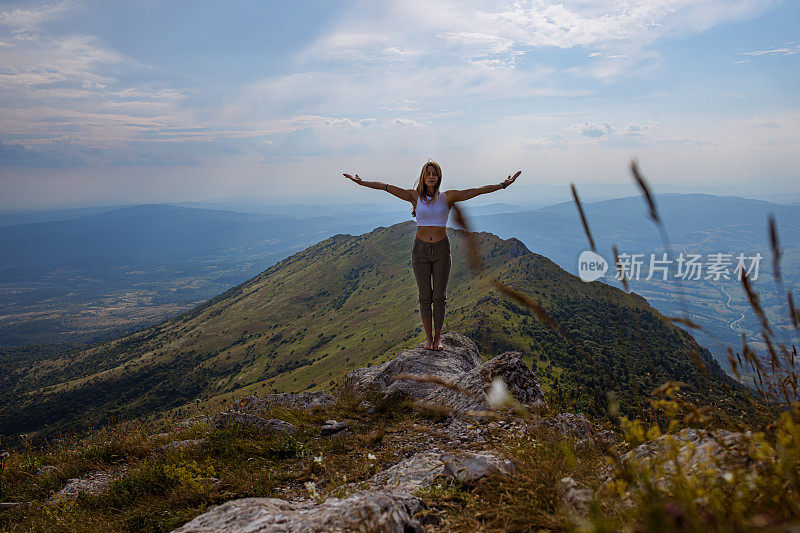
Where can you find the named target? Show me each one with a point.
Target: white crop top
(434, 214)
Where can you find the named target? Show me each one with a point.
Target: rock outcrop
(363, 511)
(459, 365)
(575, 499)
(459, 356)
(414, 473)
(454, 378)
(91, 483)
(468, 468)
(694, 449)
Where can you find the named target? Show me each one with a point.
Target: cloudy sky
(154, 101)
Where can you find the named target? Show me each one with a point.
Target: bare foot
(429, 344)
(437, 345)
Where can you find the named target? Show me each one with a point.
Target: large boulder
(694, 449)
(411, 474)
(458, 364)
(520, 381)
(363, 511)
(423, 469)
(705, 456)
(470, 467)
(459, 356)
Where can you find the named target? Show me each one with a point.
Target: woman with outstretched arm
(430, 254)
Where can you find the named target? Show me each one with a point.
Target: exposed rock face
(575, 499)
(459, 356)
(91, 483)
(459, 364)
(229, 418)
(509, 366)
(363, 511)
(696, 448)
(389, 504)
(418, 471)
(295, 400)
(467, 468)
(332, 427)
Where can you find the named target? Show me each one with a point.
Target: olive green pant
(431, 261)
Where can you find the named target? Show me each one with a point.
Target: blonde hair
(421, 183)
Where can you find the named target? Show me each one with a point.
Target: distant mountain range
(108, 271)
(696, 223)
(351, 301)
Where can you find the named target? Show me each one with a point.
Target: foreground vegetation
(163, 488)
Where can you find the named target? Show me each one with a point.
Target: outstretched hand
(510, 179)
(354, 178)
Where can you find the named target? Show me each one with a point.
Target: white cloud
(592, 129)
(24, 20)
(637, 128)
(380, 71)
(501, 31)
(788, 49)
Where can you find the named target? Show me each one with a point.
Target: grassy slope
(347, 302)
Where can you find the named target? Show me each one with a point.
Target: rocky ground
(476, 404)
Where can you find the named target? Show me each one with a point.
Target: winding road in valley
(728, 303)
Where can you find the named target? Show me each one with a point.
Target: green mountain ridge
(351, 301)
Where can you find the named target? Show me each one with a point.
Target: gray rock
(459, 430)
(575, 499)
(229, 418)
(363, 511)
(698, 448)
(417, 472)
(459, 364)
(690, 450)
(295, 400)
(469, 467)
(332, 427)
(367, 406)
(92, 483)
(460, 355)
(510, 367)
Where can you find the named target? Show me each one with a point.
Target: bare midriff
(431, 233)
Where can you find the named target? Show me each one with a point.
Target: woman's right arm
(403, 194)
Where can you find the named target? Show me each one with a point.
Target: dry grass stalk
(437, 381)
(583, 216)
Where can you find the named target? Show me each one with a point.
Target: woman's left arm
(466, 194)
